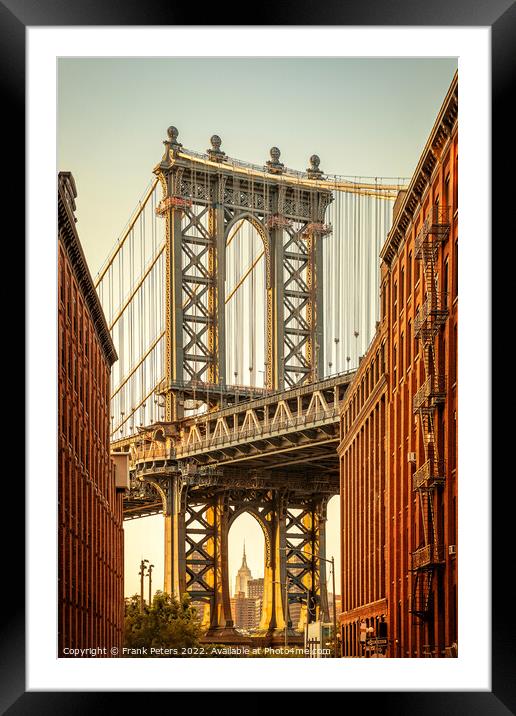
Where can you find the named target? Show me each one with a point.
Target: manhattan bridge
(240, 299)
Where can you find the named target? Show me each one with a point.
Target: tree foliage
(169, 623)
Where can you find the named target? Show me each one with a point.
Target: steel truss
(201, 204)
(200, 506)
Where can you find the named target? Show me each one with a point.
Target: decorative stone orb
(172, 133)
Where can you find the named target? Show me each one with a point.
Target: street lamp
(332, 562)
(142, 574)
(150, 583)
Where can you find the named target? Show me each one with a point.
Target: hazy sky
(363, 117)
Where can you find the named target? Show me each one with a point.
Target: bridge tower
(203, 200)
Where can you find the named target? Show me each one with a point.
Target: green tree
(169, 623)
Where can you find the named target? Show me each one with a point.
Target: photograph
(259, 453)
(257, 316)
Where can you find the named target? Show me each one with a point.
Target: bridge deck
(291, 432)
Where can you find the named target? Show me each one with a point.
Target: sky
(363, 117)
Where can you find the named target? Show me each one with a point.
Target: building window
(61, 284)
(453, 362)
(394, 364)
(74, 313)
(394, 300)
(409, 343)
(402, 345)
(447, 190)
(456, 268)
(63, 349)
(455, 183)
(402, 289)
(446, 287)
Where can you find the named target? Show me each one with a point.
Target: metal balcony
(430, 474)
(434, 230)
(427, 557)
(432, 392)
(432, 316)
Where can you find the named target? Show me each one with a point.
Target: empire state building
(243, 576)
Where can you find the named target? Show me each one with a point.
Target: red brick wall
(381, 520)
(90, 549)
(362, 490)
(412, 636)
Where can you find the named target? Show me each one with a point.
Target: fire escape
(429, 478)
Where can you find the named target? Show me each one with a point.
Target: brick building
(255, 587)
(246, 611)
(398, 449)
(90, 521)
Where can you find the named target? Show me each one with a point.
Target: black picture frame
(15, 16)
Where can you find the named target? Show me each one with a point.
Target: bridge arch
(265, 527)
(262, 232)
(161, 492)
(247, 301)
(246, 537)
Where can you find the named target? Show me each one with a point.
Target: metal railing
(432, 391)
(431, 473)
(264, 430)
(433, 230)
(379, 182)
(433, 313)
(236, 436)
(430, 555)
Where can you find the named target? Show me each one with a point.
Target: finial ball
(172, 133)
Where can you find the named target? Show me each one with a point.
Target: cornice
(69, 237)
(443, 128)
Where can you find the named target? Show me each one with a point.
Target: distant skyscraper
(246, 611)
(243, 576)
(255, 587)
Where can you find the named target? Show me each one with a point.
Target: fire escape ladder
(423, 500)
(421, 594)
(429, 476)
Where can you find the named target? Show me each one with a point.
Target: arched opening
(246, 570)
(246, 305)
